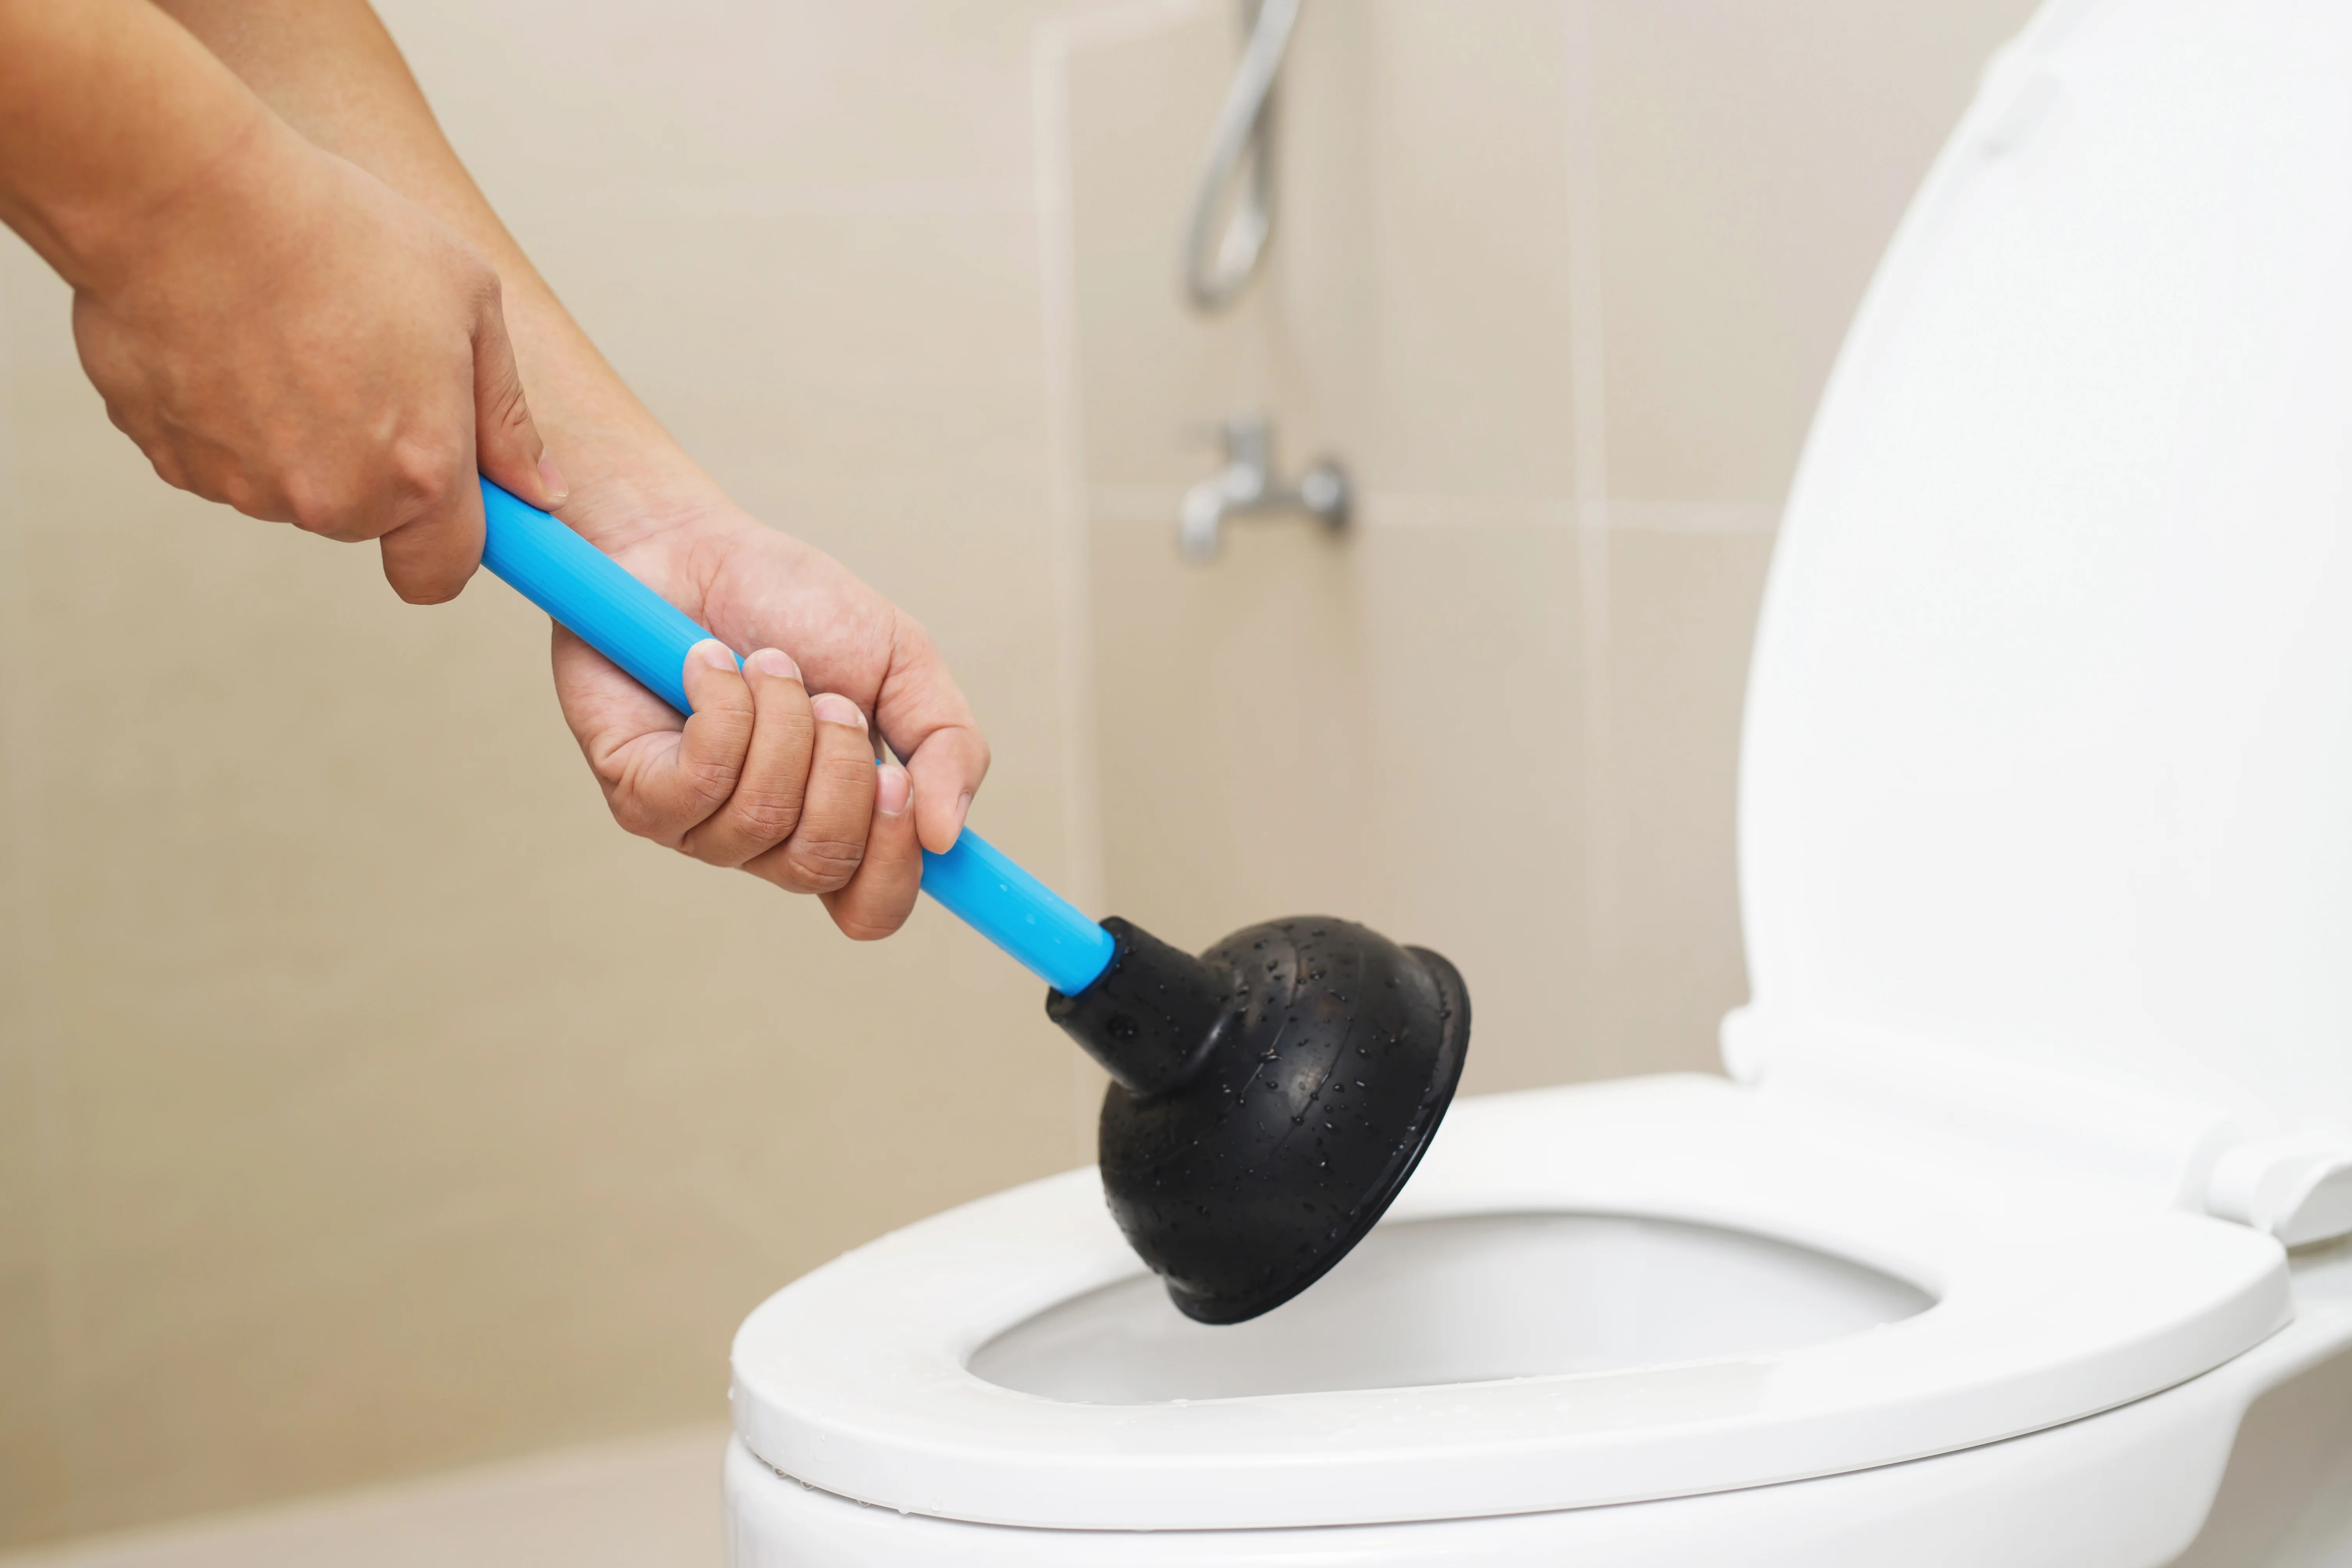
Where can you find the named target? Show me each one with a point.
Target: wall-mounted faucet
(1219, 258)
(1247, 488)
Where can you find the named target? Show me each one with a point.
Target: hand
(775, 771)
(292, 337)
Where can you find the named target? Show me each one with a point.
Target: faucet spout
(1247, 488)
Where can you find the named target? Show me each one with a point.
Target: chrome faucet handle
(1325, 495)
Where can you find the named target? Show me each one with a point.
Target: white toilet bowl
(1589, 1296)
(1982, 1253)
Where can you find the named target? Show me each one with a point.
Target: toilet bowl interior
(1465, 1298)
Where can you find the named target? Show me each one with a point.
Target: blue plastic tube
(586, 590)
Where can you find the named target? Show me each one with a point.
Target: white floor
(651, 1500)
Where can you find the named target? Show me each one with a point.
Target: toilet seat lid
(2047, 770)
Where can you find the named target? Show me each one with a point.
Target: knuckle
(766, 816)
(424, 474)
(708, 783)
(633, 806)
(231, 487)
(852, 775)
(509, 410)
(629, 814)
(825, 865)
(129, 418)
(710, 849)
(317, 512)
(638, 817)
(612, 773)
(169, 467)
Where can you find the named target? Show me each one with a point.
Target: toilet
(2018, 1230)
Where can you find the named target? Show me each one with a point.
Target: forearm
(110, 112)
(328, 69)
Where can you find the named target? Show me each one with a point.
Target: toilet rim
(2054, 1301)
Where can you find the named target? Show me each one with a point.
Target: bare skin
(302, 111)
(276, 329)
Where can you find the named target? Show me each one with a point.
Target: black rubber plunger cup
(1269, 1099)
(1269, 1096)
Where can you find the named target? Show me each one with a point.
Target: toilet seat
(2056, 1295)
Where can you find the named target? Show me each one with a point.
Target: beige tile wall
(369, 1105)
(1559, 283)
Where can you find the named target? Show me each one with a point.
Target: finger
(506, 444)
(766, 804)
(947, 769)
(929, 724)
(881, 895)
(666, 783)
(608, 711)
(829, 841)
(429, 557)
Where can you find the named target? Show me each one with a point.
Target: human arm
(762, 777)
(275, 328)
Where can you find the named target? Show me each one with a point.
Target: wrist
(628, 477)
(114, 236)
(628, 488)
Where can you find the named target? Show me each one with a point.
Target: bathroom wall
(369, 1105)
(1559, 284)
(368, 1102)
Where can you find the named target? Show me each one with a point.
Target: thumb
(507, 447)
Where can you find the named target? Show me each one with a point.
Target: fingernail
(894, 791)
(714, 653)
(834, 709)
(552, 476)
(773, 661)
(964, 804)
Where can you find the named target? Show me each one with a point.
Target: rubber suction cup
(1269, 1099)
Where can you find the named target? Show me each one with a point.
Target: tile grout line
(1051, 47)
(1155, 506)
(1064, 443)
(1587, 367)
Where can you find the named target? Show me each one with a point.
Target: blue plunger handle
(636, 628)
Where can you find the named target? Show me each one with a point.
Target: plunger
(1268, 1098)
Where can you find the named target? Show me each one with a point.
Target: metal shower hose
(1217, 263)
